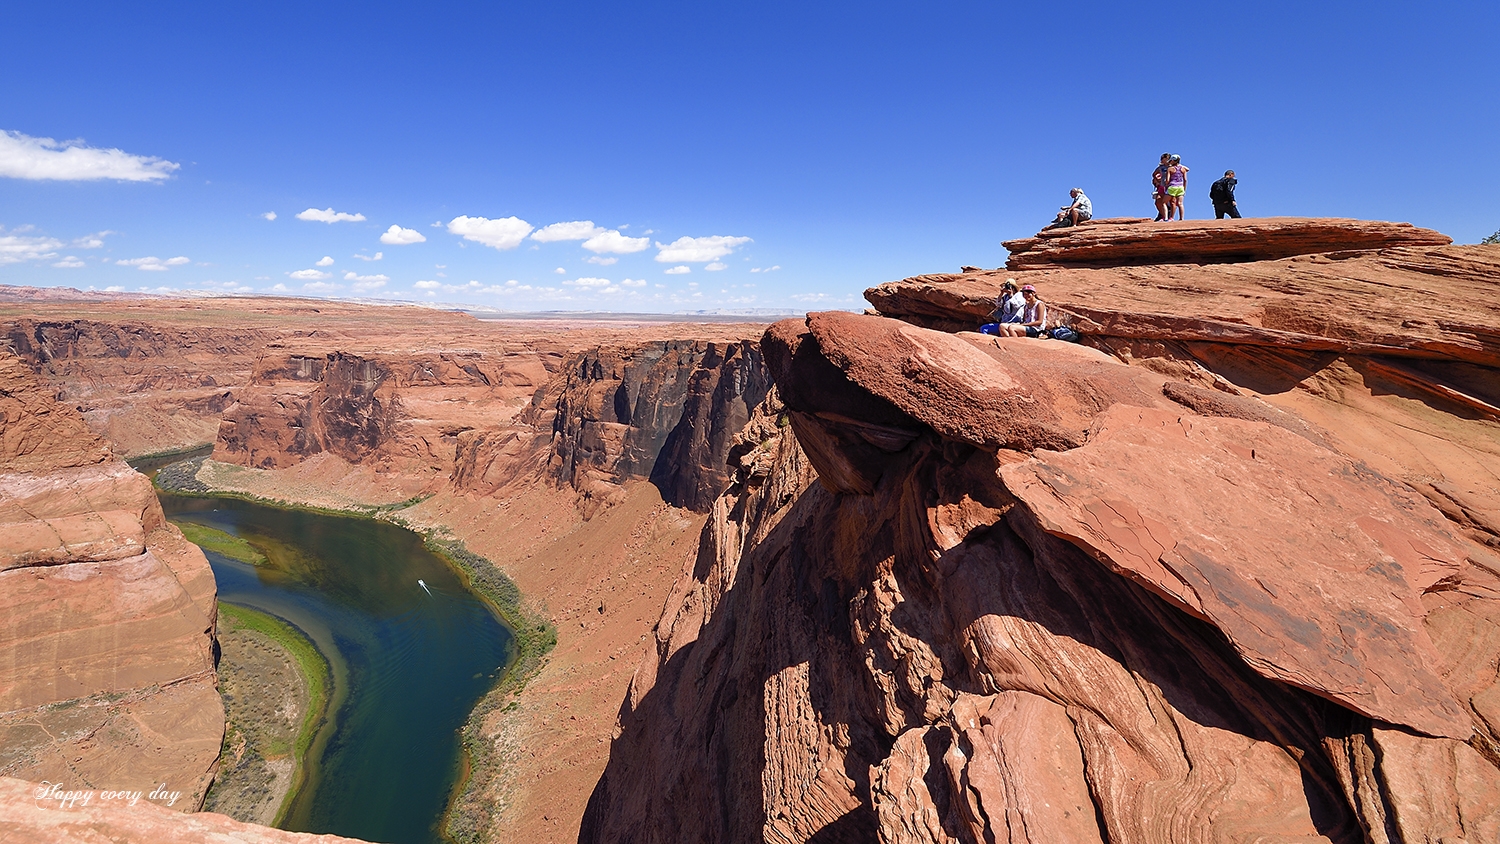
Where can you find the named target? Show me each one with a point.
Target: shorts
(1085, 215)
(1176, 191)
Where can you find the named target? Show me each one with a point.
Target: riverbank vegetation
(219, 542)
(534, 634)
(276, 686)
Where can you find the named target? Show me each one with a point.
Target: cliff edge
(976, 589)
(106, 644)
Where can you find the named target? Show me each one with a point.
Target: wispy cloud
(25, 157)
(716, 266)
(153, 263)
(269, 215)
(679, 270)
(366, 283)
(322, 286)
(310, 275)
(69, 262)
(696, 249)
(15, 248)
(397, 236)
(503, 233)
(91, 241)
(328, 215)
(599, 260)
(765, 269)
(376, 257)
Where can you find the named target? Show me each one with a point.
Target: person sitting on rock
(1008, 307)
(1033, 316)
(1071, 215)
(1222, 196)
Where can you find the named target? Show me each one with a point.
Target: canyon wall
(106, 645)
(1246, 588)
(663, 411)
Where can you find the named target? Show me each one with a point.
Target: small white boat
(423, 584)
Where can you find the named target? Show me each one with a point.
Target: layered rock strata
(1035, 595)
(662, 411)
(1121, 242)
(106, 644)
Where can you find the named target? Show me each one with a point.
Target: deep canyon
(1226, 570)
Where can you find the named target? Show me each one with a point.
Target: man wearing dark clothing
(1222, 194)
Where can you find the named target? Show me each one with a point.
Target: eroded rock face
(662, 411)
(398, 412)
(1125, 242)
(106, 644)
(1175, 626)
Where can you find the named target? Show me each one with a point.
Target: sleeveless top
(1177, 176)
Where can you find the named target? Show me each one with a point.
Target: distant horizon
(661, 157)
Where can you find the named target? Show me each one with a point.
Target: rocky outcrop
(396, 412)
(1037, 594)
(1127, 241)
(145, 387)
(106, 645)
(32, 814)
(663, 411)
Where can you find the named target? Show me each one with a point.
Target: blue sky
(765, 155)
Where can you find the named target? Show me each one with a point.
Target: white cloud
(269, 215)
(695, 249)
(428, 285)
(91, 241)
(328, 215)
(325, 261)
(679, 270)
(310, 275)
(633, 282)
(376, 257)
(613, 241)
(322, 286)
(589, 282)
(503, 233)
(69, 262)
(397, 236)
(17, 248)
(599, 260)
(153, 263)
(366, 283)
(716, 266)
(765, 269)
(560, 271)
(279, 288)
(25, 157)
(577, 230)
(114, 288)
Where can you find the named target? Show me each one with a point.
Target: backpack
(1219, 192)
(1062, 332)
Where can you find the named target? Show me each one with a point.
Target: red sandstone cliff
(659, 411)
(1249, 591)
(106, 614)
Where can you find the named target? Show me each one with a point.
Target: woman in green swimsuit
(1176, 186)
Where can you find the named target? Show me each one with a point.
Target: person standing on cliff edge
(1177, 174)
(1159, 188)
(1222, 195)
